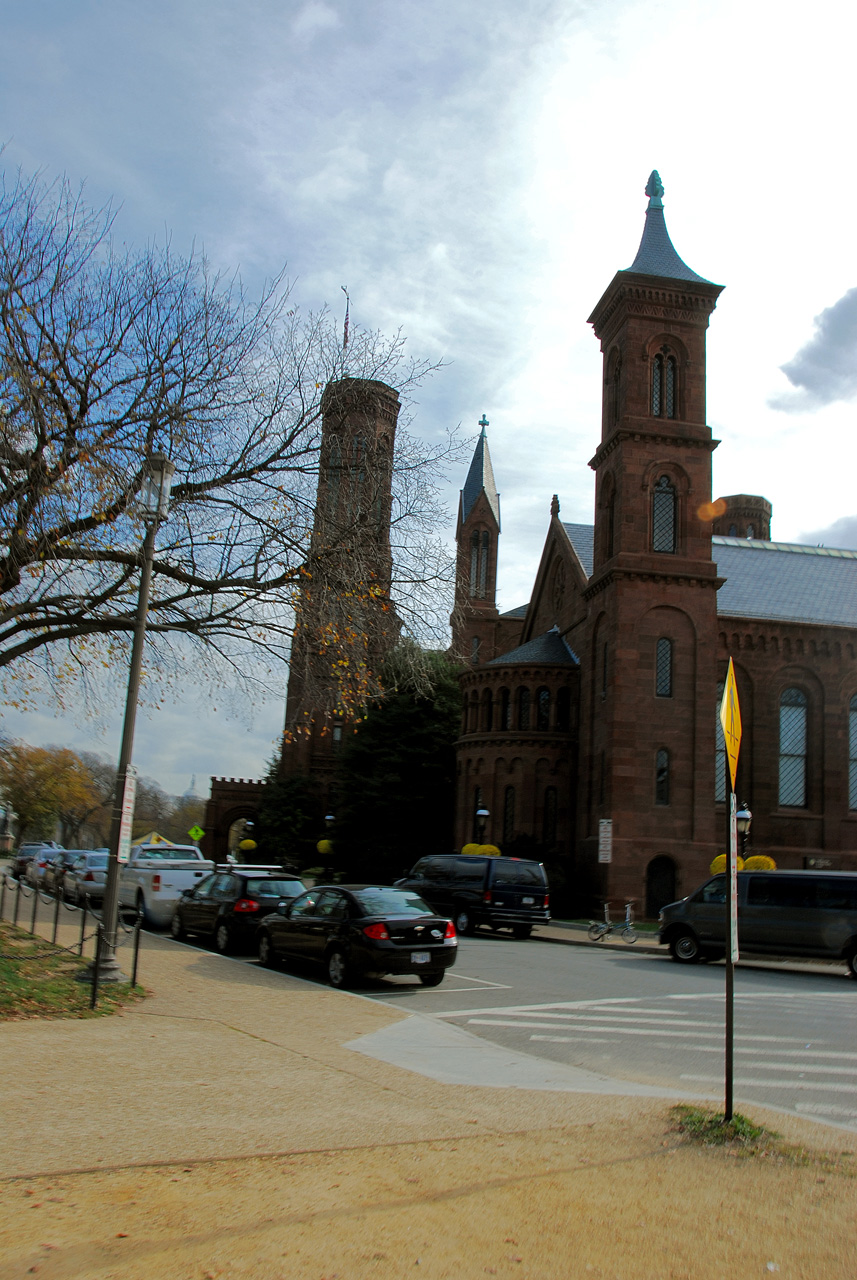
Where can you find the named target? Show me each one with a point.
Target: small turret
(743, 515)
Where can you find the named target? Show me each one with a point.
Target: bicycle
(600, 929)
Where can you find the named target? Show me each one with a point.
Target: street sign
(730, 718)
(605, 840)
(129, 796)
(196, 832)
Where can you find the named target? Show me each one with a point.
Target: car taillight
(547, 901)
(89, 876)
(245, 904)
(450, 930)
(486, 897)
(156, 883)
(378, 932)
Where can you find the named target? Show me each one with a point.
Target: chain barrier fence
(19, 893)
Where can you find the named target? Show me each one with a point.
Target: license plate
(528, 902)
(420, 957)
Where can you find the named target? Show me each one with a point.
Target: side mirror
(283, 907)
(188, 893)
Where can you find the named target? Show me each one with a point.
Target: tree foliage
(396, 781)
(108, 355)
(289, 820)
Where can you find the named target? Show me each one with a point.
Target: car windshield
(173, 855)
(274, 888)
(391, 902)
(97, 860)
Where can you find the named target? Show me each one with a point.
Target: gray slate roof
(656, 255)
(479, 477)
(783, 581)
(786, 581)
(582, 538)
(547, 649)
(520, 611)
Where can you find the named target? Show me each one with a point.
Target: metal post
(35, 909)
(730, 962)
(82, 926)
(136, 950)
(56, 916)
(96, 964)
(2, 895)
(110, 908)
(17, 902)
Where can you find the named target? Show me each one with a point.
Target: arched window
(751, 532)
(474, 650)
(486, 710)
(793, 748)
(662, 777)
(563, 710)
(664, 386)
(505, 710)
(611, 526)
(473, 718)
(733, 531)
(543, 709)
(474, 564)
(523, 707)
(549, 818)
(720, 773)
(483, 566)
(663, 516)
(664, 668)
(613, 379)
(509, 815)
(852, 754)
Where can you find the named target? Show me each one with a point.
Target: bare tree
(106, 356)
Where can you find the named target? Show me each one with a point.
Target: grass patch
(741, 1137)
(39, 980)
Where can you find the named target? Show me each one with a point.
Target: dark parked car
(25, 854)
(56, 867)
(39, 863)
(500, 892)
(357, 929)
(781, 913)
(227, 906)
(87, 876)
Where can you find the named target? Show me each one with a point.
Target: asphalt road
(640, 1017)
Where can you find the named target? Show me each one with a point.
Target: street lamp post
(482, 816)
(743, 820)
(153, 506)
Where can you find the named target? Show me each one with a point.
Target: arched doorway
(660, 884)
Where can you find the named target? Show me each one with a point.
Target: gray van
(788, 913)
(474, 890)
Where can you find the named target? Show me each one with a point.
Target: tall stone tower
(345, 622)
(649, 695)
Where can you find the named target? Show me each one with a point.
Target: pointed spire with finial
(479, 477)
(656, 255)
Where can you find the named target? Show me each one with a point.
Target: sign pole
(730, 719)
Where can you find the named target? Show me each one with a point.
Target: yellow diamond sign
(730, 718)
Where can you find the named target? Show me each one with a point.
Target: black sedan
(358, 929)
(227, 906)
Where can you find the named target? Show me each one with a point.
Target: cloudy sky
(473, 170)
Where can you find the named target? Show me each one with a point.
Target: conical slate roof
(656, 255)
(479, 477)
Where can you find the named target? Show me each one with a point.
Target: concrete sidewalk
(241, 1122)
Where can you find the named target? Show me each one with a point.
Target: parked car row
(76, 873)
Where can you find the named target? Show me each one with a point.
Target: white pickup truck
(155, 877)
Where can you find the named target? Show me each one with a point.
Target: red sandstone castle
(590, 728)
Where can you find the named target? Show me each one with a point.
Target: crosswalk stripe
(752, 1083)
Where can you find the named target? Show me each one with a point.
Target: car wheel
(521, 930)
(463, 921)
(684, 948)
(265, 951)
(851, 961)
(337, 969)
(222, 939)
(177, 929)
(433, 979)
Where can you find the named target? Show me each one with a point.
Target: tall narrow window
(543, 709)
(663, 516)
(474, 650)
(602, 778)
(505, 710)
(657, 386)
(664, 668)
(719, 753)
(611, 526)
(604, 671)
(852, 754)
(486, 711)
(751, 532)
(483, 566)
(549, 818)
(474, 565)
(662, 777)
(523, 708)
(670, 388)
(563, 710)
(473, 720)
(793, 748)
(509, 815)
(477, 805)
